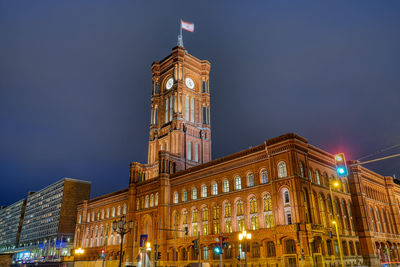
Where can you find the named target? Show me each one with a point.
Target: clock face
(189, 83)
(169, 83)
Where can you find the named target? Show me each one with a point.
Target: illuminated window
(264, 176)
(239, 207)
(205, 214)
(214, 188)
(228, 226)
(282, 169)
(301, 167)
(253, 205)
(318, 180)
(250, 179)
(189, 150)
(146, 203)
(176, 197)
(254, 222)
(185, 217)
(184, 196)
(238, 183)
(226, 186)
(194, 193)
(194, 215)
(152, 200)
(227, 209)
(204, 191)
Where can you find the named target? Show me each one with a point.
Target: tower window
(196, 152)
(189, 150)
(166, 110)
(187, 107)
(192, 109)
(203, 87)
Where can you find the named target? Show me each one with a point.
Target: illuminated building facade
(285, 192)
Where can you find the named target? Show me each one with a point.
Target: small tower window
(282, 169)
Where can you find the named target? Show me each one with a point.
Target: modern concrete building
(42, 226)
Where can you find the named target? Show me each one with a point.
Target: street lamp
(336, 184)
(246, 237)
(340, 245)
(122, 227)
(79, 251)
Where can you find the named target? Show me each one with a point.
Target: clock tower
(180, 109)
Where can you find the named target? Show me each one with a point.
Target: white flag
(187, 26)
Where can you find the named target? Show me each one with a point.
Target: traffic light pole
(158, 241)
(220, 255)
(199, 249)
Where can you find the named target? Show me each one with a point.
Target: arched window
(239, 207)
(205, 253)
(226, 186)
(271, 249)
(152, 200)
(176, 220)
(185, 217)
(184, 196)
(102, 214)
(119, 211)
(326, 179)
(124, 210)
(282, 169)
(254, 222)
(250, 179)
(264, 176)
(194, 193)
(205, 214)
(378, 220)
(214, 188)
(108, 212)
(147, 200)
(318, 180)
(204, 191)
(80, 218)
(267, 203)
(372, 219)
(238, 183)
(189, 150)
(290, 246)
(194, 216)
(156, 201)
(301, 167)
(113, 212)
(286, 197)
(227, 209)
(176, 197)
(228, 226)
(216, 212)
(253, 205)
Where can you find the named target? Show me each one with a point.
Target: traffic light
(103, 253)
(341, 167)
(195, 244)
(217, 250)
(186, 231)
(225, 242)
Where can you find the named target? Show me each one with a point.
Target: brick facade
(278, 191)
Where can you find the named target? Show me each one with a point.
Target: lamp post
(340, 245)
(246, 237)
(122, 227)
(336, 184)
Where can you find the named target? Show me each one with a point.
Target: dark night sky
(75, 81)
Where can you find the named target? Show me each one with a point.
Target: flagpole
(180, 37)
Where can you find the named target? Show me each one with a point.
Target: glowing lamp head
(339, 158)
(240, 236)
(333, 222)
(217, 250)
(341, 170)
